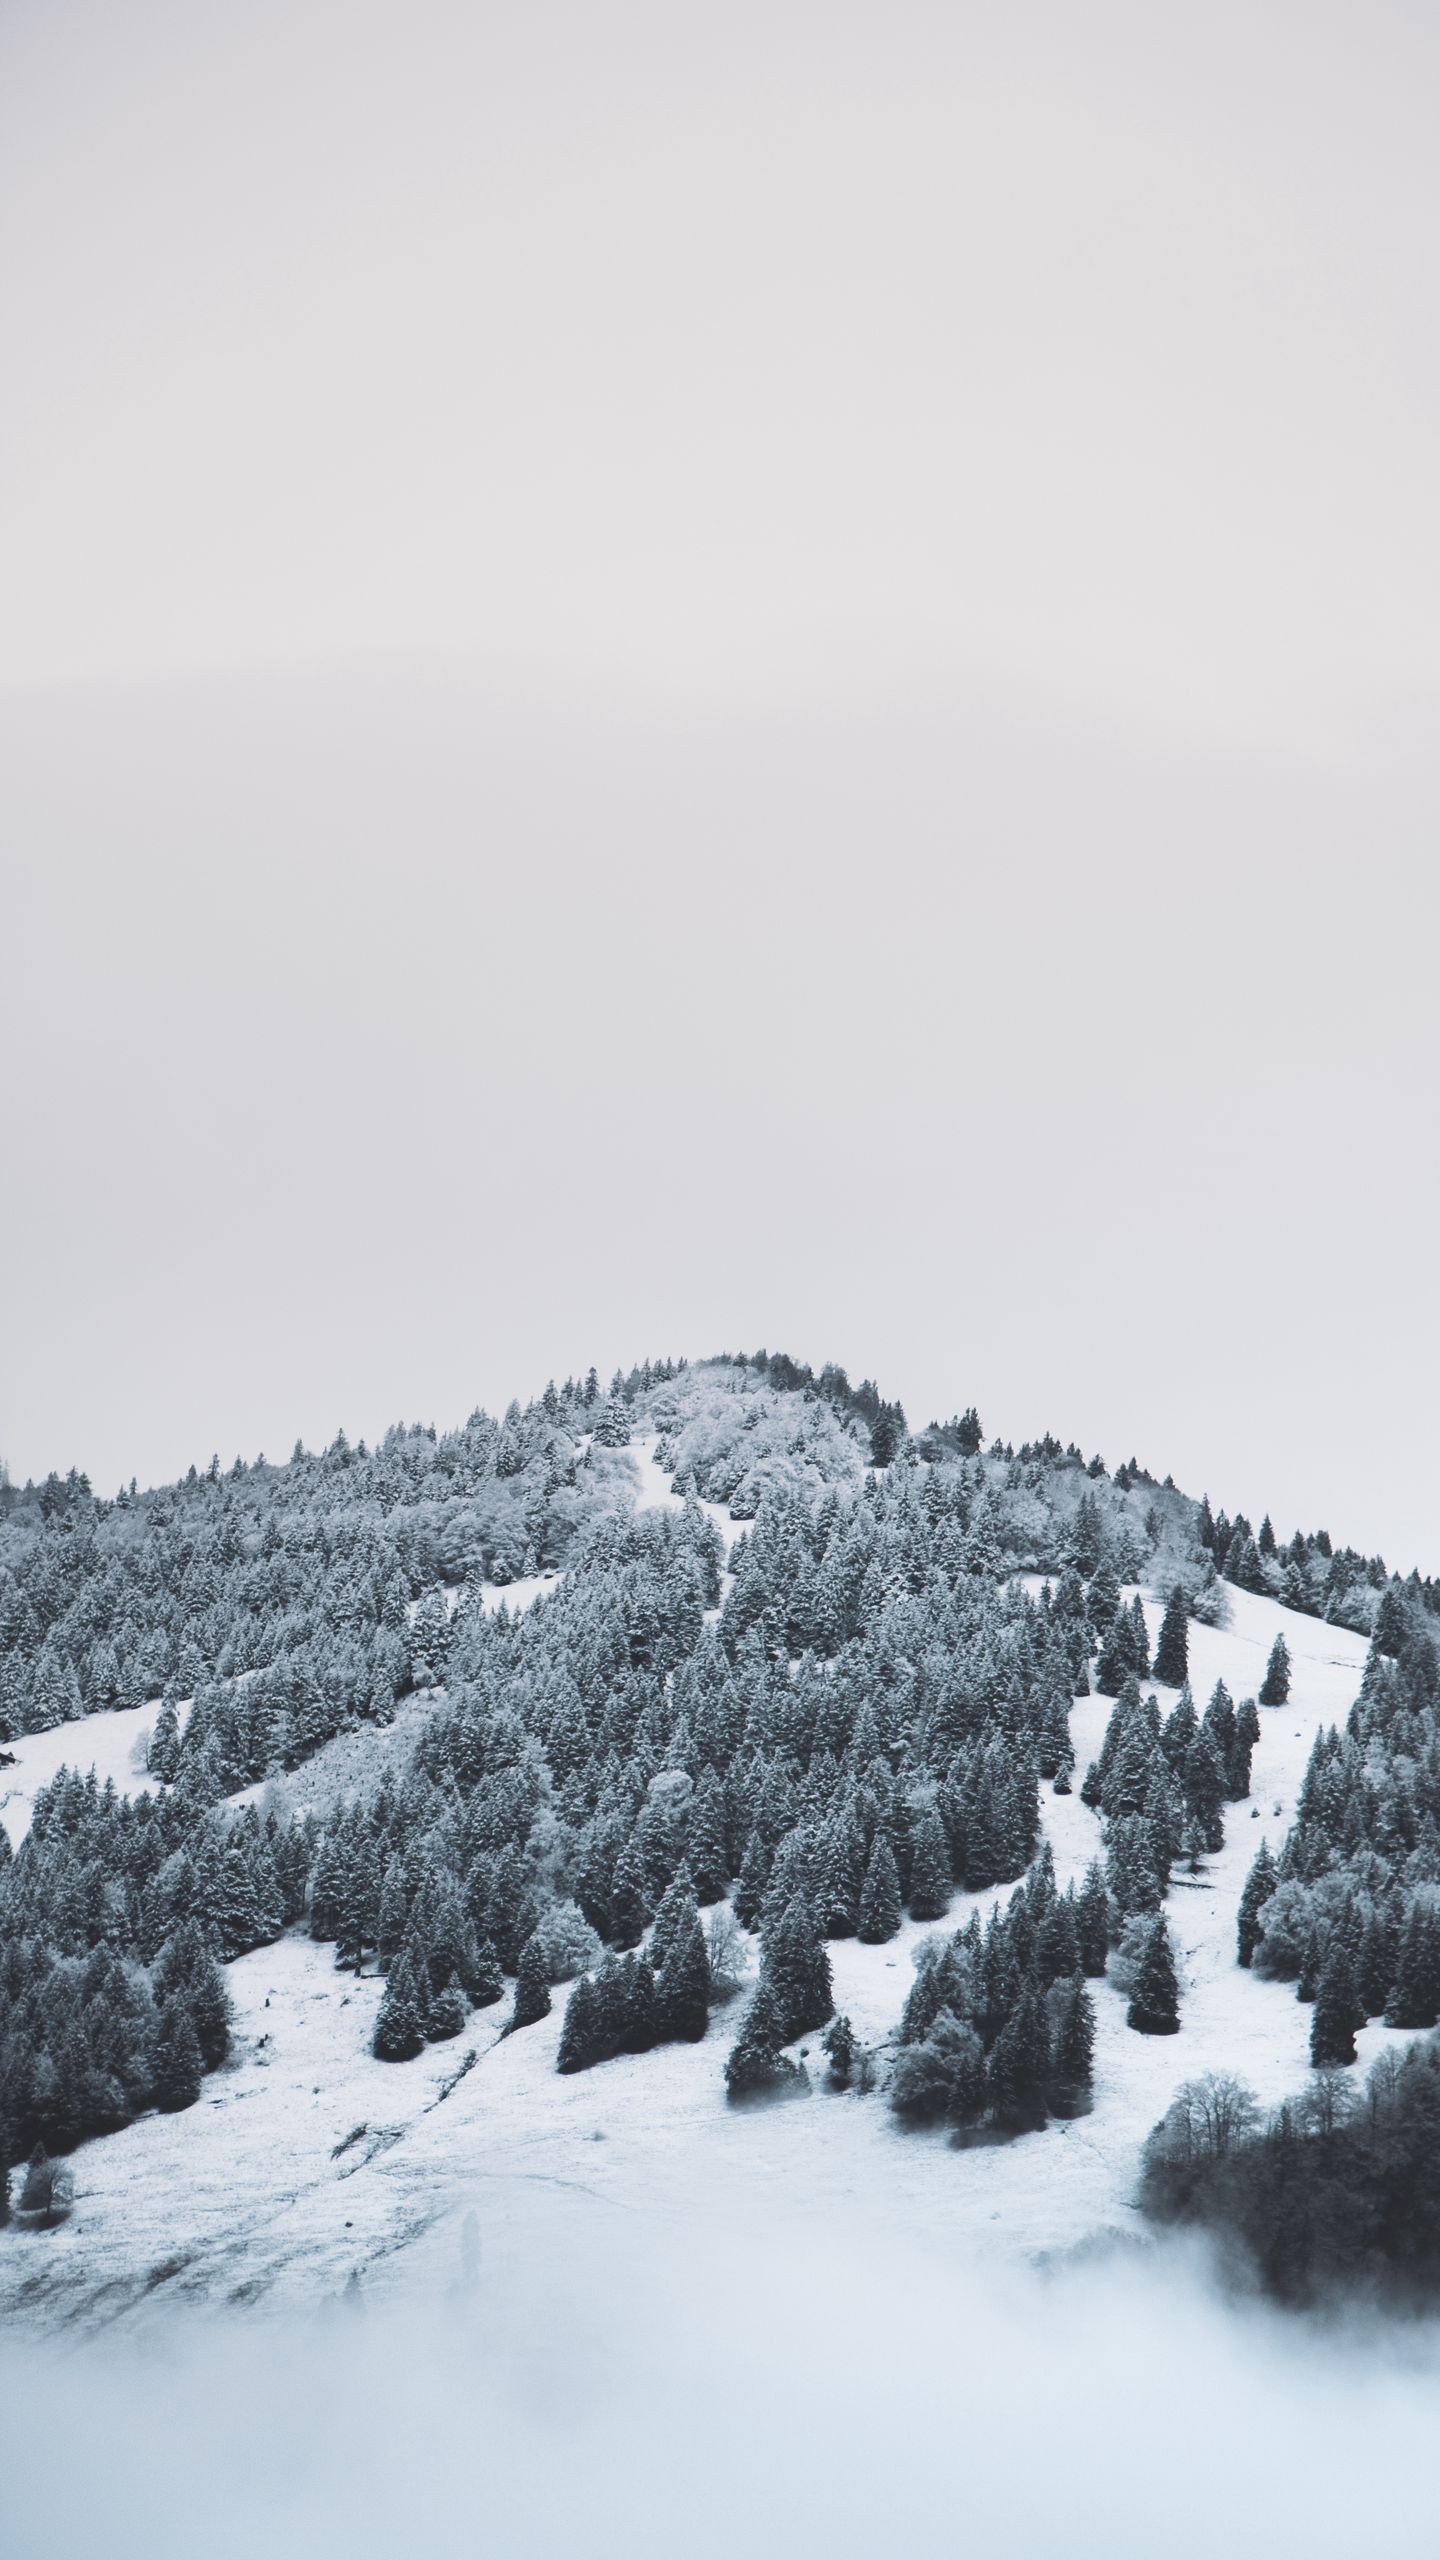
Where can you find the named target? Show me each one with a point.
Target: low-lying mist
(708, 2392)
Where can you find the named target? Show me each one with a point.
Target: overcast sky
(676, 677)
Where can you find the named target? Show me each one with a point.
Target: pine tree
(179, 2069)
(838, 2042)
(1092, 1921)
(1072, 2045)
(797, 1969)
(532, 1987)
(757, 2067)
(579, 2032)
(1259, 1885)
(1155, 1999)
(1415, 1993)
(1019, 2066)
(880, 1895)
(1242, 1751)
(629, 1900)
(1275, 1688)
(1172, 1650)
(399, 2022)
(931, 1883)
(1205, 1790)
(7, 2153)
(1338, 2010)
(163, 1755)
(682, 1990)
(705, 1850)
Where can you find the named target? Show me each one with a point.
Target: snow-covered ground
(306, 2159)
(113, 1745)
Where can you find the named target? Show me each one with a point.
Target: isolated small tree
(1275, 1687)
(727, 1952)
(1172, 1649)
(399, 2021)
(1155, 1997)
(839, 2044)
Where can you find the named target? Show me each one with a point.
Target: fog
(722, 2392)
(675, 678)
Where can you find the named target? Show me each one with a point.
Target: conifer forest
(646, 1763)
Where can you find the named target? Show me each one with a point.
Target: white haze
(675, 677)
(722, 2393)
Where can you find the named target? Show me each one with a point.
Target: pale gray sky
(674, 677)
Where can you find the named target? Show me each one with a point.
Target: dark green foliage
(941, 2077)
(1415, 1998)
(1259, 1886)
(179, 2069)
(1071, 2013)
(838, 2042)
(1339, 2011)
(864, 1721)
(446, 2013)
(796, 1969)
(682, 1988)
(1155, 1999)
(1172, 1648)
(930, 1876)
(1092, 1922)
(757, 2066)
(532, 1987)
(400, 2019)
(1275, 1688)
(1333, 2200)
(1019, 2066)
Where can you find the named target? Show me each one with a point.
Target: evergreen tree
(1092, 1921)
(1275, 1688)
(1172, 1650)
(1072, 2045)
(629, 1900)
(1259, 1886)
(163, 1755)
(838, 2042)
(797, 1970)
(532, 1987)
(580, 2030)
(1338, 2009)
(179, 2069)
(1155, 1998)
(757, 2067)
(1019, 2066)
(682, 1989)
(931, 1882)
(399, 2022)
(880, 1895)
(1415, 1995)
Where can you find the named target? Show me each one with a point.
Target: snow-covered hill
(307, 2161)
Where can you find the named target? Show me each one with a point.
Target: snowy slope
(112, 1744)
(306, 2159)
